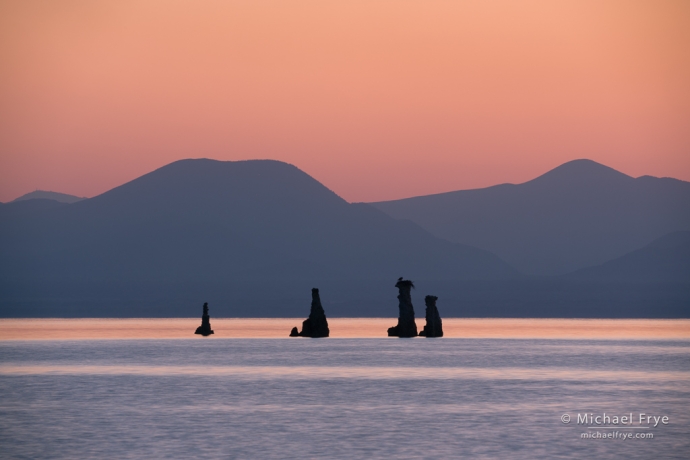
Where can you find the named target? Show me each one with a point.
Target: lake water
(490, 389)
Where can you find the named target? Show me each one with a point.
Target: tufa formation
(205, 328)
(406, 326)
(433, 327)
(316, 325)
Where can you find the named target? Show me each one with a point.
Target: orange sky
(377, 99)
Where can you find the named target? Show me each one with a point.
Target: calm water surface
(137, 395)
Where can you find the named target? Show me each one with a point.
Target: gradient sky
(376, 99)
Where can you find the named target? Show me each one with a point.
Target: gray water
(339, 398)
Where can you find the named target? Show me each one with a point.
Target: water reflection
(172, 328)
(354, 372)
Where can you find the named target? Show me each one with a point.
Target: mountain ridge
(218, 230)
(577, 215)
(666, 259)
(252, 238)
(48, 195)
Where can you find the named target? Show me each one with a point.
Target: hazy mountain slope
(577, 215)
(666, 259)
(26, 209)
(221, 231)
(44, 195)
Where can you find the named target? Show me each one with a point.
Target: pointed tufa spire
(434, 327)
(205, 328)
(406, 326)
(316, 325)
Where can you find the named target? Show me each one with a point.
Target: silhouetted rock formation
(205, 328)
(433, 327)
(406, 326)
(316, 325)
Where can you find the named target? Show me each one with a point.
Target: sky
(376, 99)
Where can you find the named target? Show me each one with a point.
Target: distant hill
(666, 259)
(43, 195)
(253, 237)
(249, 237)
(578, 215)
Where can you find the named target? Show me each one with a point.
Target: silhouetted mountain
(578, 215)
(26, 209)
(43, 195)
(249, 237)
(666, 259)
